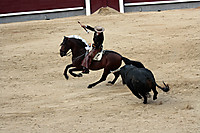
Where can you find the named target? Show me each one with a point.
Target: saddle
(98, 56)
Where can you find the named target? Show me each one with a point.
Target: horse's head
(64, 46)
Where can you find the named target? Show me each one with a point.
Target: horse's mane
(83, 42)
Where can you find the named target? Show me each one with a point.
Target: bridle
(69, 53)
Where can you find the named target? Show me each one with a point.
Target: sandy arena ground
(35, 97)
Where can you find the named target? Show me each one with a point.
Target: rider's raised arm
(90, 28)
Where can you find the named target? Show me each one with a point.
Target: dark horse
(110, 60)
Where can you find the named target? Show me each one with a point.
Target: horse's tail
(135, 63)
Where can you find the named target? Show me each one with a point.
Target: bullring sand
(36, 98)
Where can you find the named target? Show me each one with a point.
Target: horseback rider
(96, 46)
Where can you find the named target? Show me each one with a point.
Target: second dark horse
(110, 61)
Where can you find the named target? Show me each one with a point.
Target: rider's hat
(99, 29)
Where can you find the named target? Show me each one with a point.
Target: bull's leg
(144, 95)
(155, 93)
(74, 74)
(145, 99)
(65, 71)
(130, 86)
(103, 78)
(116, 77)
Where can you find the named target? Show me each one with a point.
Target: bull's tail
(165, 89)
(135, 63)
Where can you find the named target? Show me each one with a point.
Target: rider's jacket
(98, 38)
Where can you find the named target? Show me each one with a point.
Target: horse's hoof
(67, 77)
(90, 86)
(80, 75)
(110, 82)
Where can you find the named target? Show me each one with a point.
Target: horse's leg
(65, 71)
(116, 77)
(103, 78)
(75, 69)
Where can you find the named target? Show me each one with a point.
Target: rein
(78, 56)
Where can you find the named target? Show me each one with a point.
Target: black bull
(140, 81)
